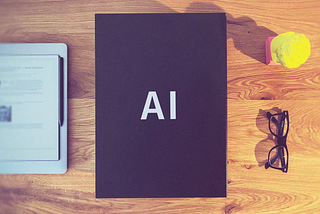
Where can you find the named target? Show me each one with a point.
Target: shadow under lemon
(247, 36)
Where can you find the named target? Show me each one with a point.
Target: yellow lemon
(290, 49)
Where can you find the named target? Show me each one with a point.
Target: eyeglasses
(278, 156)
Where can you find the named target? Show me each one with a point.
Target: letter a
(157, 109)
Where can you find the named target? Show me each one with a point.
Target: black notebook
(161, 105)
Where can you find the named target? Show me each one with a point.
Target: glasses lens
(279, 125)
(278, 157)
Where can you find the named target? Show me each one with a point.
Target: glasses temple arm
(282, 157)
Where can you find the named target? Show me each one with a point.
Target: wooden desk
(253, 88)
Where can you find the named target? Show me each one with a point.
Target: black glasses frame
(281, 146)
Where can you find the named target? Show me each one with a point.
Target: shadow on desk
(247, 36)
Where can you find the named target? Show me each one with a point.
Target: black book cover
(161, 105)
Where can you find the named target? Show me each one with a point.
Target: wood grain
(253, 89)
(81, 131)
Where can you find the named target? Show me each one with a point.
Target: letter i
(173, 105)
